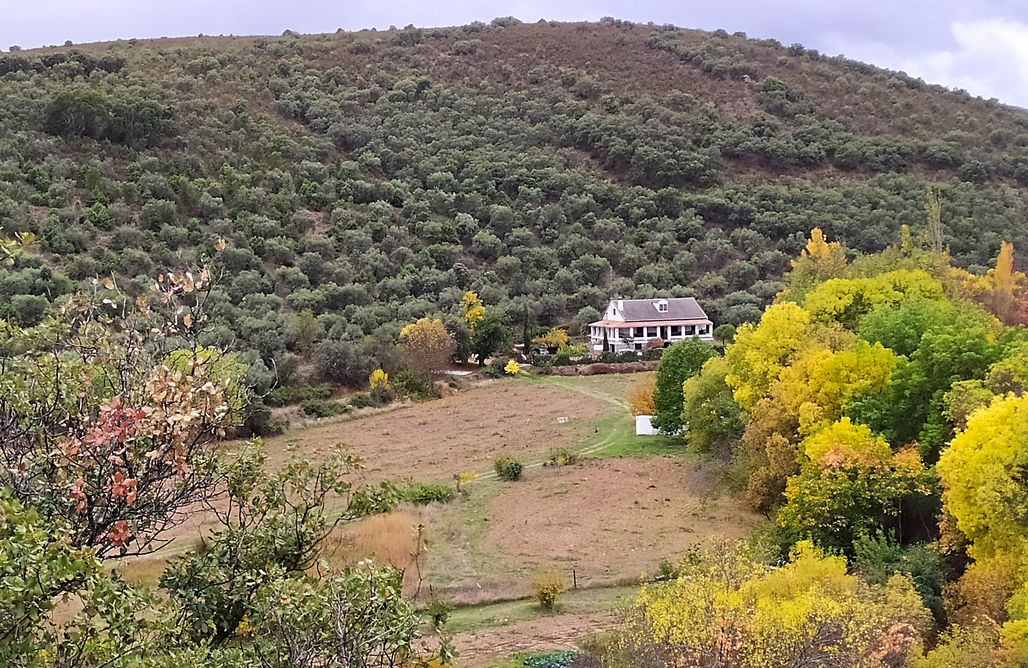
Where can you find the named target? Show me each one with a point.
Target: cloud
(986, 57)
(990, 59)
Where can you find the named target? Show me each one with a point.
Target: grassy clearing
(577, 602)
(615, 433)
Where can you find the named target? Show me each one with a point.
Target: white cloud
(989, 58)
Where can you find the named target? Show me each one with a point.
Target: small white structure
(635, 324)
(644, 426)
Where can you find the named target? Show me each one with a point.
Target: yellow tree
(640, 397)
(473, 310)
(817, 386)
(819, 261)
(759, 353)
(726, 608)
(984, 490)
(426, 347)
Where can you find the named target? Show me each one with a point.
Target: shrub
(561, 457)
(438, 610)
(422, 494)
(364, 400)
(294, 394)
(321, 408)
(496, 368)
(562, 659)
(547, 588)
(508, 468)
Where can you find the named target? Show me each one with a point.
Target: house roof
(644, 310)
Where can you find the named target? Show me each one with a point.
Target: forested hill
(369, 178)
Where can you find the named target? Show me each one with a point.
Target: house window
(676, 330)
(662, 307)
(638, 331)
(625, 333)
(638, 346)
(690, 330)
(651, 332)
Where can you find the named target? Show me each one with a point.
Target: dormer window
(662, 306)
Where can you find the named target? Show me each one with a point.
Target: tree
(760, 352)
(680, 361)
(726, 607)
(712, 418)
(489, 336)
(108, 435)
(556, 339)
(39, 569)
(426, 347)
(852, 484)
(640, 397)
(472, 310)
(983, 481)
(819, 261)
(272, 528)
(342, 362)
(304, 331)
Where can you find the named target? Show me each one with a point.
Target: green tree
(490, 334)
(712, 419)
(680, 362)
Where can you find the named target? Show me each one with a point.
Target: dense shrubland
(364, 181)
(878, 412)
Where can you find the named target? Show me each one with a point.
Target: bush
(294, 394)
(547, 588)
(342, 362)
(364, 400)
(438, 610)
(508, 468)
(321, 408)
(561, 457)
(495, 368)
(562, 659)
(422, 494)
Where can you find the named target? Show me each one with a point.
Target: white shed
(644, 426)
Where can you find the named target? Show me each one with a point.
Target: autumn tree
(850, 484)
(727, 607)
(819, 261)
(426, 347)
(680, 361)
(640, 396)
(762, 351)
(102, 429)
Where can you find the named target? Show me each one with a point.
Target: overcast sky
(978, 45)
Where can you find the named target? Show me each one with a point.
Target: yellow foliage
(818, 384)
(640, 397)
(512, 368)
(846, 300)
(555, 338)
(730, 609)
(983, 488)
(378, 378)
(474, 309)
(844, 444)
(759, 354)
(819, 261)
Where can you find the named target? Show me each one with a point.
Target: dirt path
(560, 632)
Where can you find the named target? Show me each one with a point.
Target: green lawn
(615, 433)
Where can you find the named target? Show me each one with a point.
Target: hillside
(371, 178)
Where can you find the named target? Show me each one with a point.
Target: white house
(634, 324)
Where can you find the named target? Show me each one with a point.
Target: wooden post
(574, 579)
